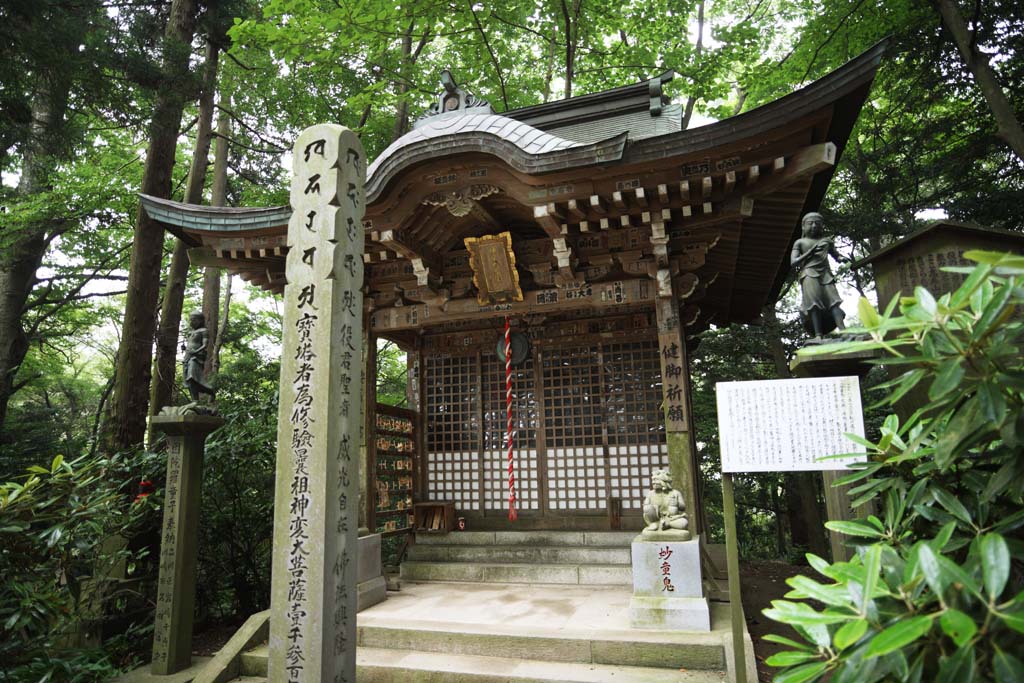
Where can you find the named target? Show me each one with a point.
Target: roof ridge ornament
(453, 100)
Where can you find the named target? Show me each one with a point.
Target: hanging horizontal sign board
(788, 425)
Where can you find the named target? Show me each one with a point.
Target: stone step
(604, 539)
(254, 662)
(496, 572)
(390, 666)
(383, 665)
(662, 650)
(519, 554)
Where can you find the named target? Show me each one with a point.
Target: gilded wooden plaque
(494, 269)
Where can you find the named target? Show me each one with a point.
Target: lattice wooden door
(603, 432)
(588, 427)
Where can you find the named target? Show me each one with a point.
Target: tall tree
(128, 406)
(43, 66)
(162, 386)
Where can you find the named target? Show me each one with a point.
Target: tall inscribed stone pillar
(313, 587)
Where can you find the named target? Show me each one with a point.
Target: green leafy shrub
(65, 565)
(934, 593)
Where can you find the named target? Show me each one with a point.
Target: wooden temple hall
(608, 237)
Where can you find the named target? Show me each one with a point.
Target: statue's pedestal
(176, 592)
(667, 588)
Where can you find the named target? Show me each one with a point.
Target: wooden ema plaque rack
(434, 517)
(394, 460)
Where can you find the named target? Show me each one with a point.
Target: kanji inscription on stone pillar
(313, 598)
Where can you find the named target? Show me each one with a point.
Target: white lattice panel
(630, 468)
(496, 480)
(576, 479)
(454, 477)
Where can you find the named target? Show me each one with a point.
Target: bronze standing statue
(820, 307)
(195, 358)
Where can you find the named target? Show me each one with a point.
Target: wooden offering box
(434, 517)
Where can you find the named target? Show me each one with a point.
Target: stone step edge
(469, 667)
(576, 539)
(571, 563)
(519, 670)
(639, 636)
(447, 563)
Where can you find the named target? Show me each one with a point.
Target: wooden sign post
(782, 425)
(313, 587)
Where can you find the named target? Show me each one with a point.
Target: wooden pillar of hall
(675, 387)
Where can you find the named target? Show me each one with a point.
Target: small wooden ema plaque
(494, 269)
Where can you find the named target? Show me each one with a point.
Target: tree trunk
(162, 389)
(698, 51)
(22, 253)
(402, 85)
(128, 409)
(571, 21)
(219, 339)
(1009, 127)
(211, 276)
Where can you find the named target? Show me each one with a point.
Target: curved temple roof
(525, 148)
(735, 189)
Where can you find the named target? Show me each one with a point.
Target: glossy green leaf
(848, 634)
(809, 588)
(782, 640)
(928, 563)
(958, 667)
(1008, 668)
(801, 674)
(872, 566)
(867, 313)
(790, 658)
(951, 504)
(955, 575)
(900, 634)
(1013, 620)
(925, 300)
(995, 564)
(958, 626)
(854, 528)
(951, 373)
(799, 613)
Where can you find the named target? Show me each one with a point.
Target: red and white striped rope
(512, 516)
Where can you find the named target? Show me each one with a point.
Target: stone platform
(489, 632)
(530, 629)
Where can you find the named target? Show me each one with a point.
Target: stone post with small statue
(185, 428)
(668, 592)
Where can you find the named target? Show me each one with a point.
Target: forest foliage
(78, 83)
(934, 592)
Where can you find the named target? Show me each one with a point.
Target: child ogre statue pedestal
(667, 589)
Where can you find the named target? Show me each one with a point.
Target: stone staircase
(589, 558)
(522, 607)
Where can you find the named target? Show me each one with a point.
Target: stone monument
(820, 306)
(668, 592)
(315, 558)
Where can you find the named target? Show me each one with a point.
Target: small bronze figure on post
(195, 358)
(820, 309)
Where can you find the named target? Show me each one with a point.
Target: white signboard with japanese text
(789, 425)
